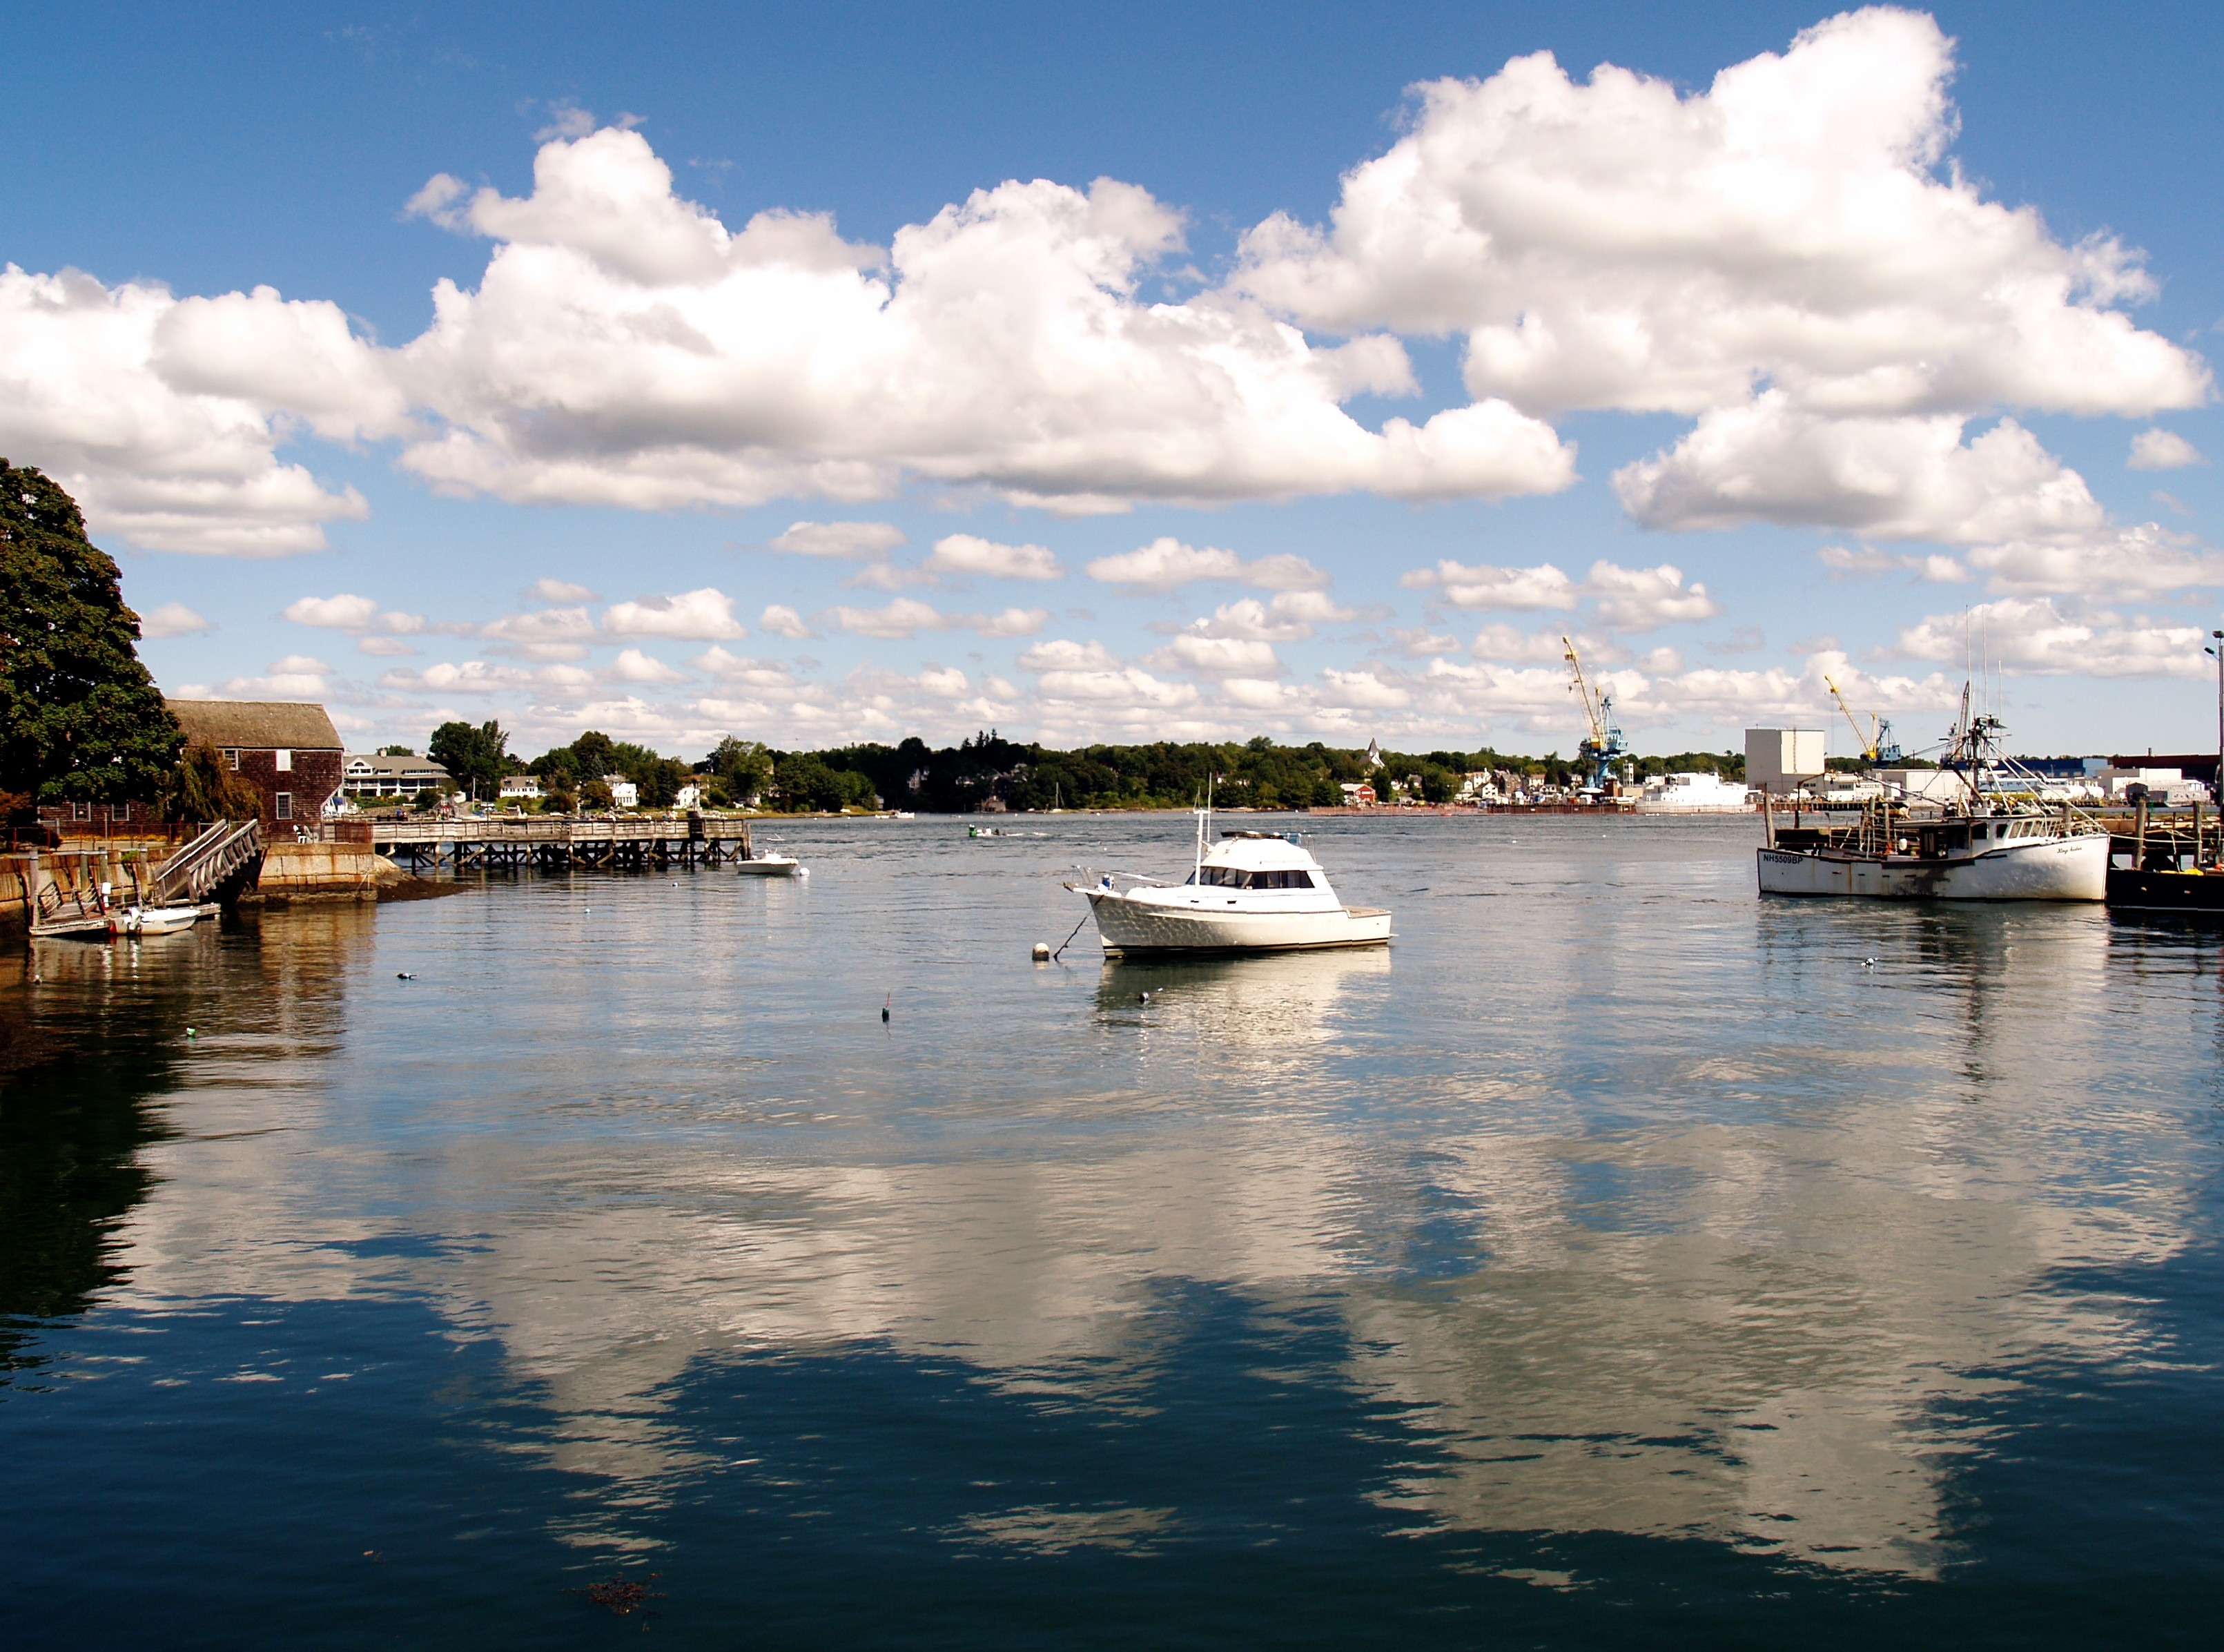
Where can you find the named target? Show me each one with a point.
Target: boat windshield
(1234, 877)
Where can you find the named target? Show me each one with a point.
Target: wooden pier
(562, 843)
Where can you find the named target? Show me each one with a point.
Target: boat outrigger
(1994, 842)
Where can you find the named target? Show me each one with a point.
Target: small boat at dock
(2166, 873)
(135, 923)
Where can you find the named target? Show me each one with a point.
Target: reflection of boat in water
(1251, 892)
(1987, 845)
(1277, 1003)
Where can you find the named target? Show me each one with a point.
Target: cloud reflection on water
(1655, 1215)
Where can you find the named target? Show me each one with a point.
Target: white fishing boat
(1693, 794)
(1249, 892)
(1988, 844)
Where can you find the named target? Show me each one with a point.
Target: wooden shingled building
(288, 750)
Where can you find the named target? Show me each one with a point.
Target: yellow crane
(1603, 746)
(1877, 745)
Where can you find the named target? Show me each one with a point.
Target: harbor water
(1616, 1257)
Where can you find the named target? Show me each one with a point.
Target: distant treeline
(1255, 774)
(988, 770)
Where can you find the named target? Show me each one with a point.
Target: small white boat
(1251, 892)
(131, 922)
(774, 865)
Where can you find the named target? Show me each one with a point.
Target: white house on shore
(522, 786)
(375, 775)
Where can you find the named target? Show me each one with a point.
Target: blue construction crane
(1604, 746)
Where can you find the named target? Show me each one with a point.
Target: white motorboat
(773, 865)
(1250, 892)
(1984, 846)
(132, 923)
(1697, 792)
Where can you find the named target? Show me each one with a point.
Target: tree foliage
(203, 786)
(475, 758)
(80, 718)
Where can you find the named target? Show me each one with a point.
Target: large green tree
(80, 718)
(475, 758)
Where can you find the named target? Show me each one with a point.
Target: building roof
(255, 724)
(375, 762)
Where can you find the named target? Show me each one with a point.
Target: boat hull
(1130, 926)
(770, 866)
(2062, 869)
(2197, 894)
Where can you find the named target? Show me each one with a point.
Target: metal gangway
(205, 864)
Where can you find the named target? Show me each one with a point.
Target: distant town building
(1778, 760)
(375, 775)
(288, 750)
(1358, 794)
(522, 786)
(1374, 755)
(624, 795)
(689, 796)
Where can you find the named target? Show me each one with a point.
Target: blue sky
(1819, 402)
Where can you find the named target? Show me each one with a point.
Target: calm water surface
(1615, 1256)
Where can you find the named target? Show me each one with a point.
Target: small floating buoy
(404, 975)
(189, 1031)
(1868, 963)
(1042, 952)
(1142, 997)
(884, 1006)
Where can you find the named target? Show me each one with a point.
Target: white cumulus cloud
(185, 462)
(1913, 478)
(1618, 244)
(2041, 636)
(855, 541)
(704, 615)
(543, 634)
(967, 554)
(625, 347)
(1215, 656)
(172, 619)
(1484, 587)
(1167, 563)
(779, 620)
(907, 616)
(1060, 654)
(354, 615)
(2163, 450)
(558, 591)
